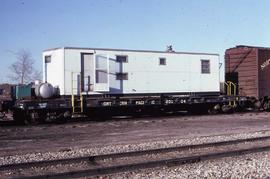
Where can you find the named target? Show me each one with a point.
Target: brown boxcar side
(5, 91)
(249, 67)
(264, 72)
(242, 69)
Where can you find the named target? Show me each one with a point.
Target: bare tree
(23, 70)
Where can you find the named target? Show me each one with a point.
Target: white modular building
(121, 71)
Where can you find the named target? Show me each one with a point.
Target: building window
(162, 61)
(122, 58)
(48, 59)
(205, 66)
(101, 76)
(121, 76)
(1, 91)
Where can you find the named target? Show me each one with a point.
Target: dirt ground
(61, 137)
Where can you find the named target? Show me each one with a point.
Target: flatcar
(104, 82)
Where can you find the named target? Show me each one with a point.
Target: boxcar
(249, 68)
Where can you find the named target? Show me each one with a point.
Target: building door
(87, 72)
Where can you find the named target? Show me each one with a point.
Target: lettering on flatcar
(182, 101)
(123, 103)
(106, 103)
(168, 101)
(139, 102)
(42, 105)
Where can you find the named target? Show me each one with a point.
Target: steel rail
(145, 165)
(127, 154)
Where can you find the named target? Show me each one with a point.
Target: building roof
(129, 50)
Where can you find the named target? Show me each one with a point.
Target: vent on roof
(169, 48)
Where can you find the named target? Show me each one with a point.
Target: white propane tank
(37, 82)
(44, 90)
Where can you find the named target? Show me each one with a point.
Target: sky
(189, 25)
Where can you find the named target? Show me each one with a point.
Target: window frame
(98, 80)
(46, 59)
(125, 74)
(203, 69)
(121, 56)
(164, 60)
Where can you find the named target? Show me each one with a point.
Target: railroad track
(128, 161)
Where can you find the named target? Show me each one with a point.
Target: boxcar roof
(129, 50)
(249, 46)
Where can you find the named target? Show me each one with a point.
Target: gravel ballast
(75, 152)
(49, 142)
(246, 166)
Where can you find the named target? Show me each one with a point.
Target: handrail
(231, 90)
(81, 100)
(228, 88)
(234, 87)
(234, 91)
(73, 96)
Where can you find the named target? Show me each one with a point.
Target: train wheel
(226, 109)
(214, 109)
(266, 105)
(257, 105)
(32, 121)
(34, 118)
(2, 115)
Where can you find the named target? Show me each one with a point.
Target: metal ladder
(231, 90)
(76, 100)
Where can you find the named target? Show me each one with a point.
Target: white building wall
(182, 72)
(72, 65)
(55, 69)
